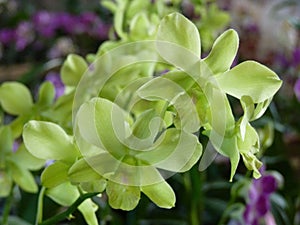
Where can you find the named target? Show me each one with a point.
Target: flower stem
(39, 214)
(69, 211)
(7, 206)
(194, 185)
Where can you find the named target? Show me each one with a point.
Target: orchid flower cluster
(258, 204)
(132, 115)
(43, 26)
(259, 195)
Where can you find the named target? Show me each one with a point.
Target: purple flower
(55, 79)
(86, 20)
(297, 89)
(24, 35)
(282, 60)
(100, 31)
(44, 23)
(66, 22)
(291, 61)
(16, 145)
(252, 28)
(269, 219)
(296, 57)
(258, 204)
(7, 36)
(90, 23)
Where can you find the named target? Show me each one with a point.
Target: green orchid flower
(16, 100)
(129, 154)
(46, 140)
(209, 80)
(133, 129)
(16, 167)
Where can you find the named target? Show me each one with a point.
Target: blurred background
(36, 37)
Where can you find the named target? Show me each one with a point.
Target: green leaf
(81, 171)
(122, 196)
(23, 177)
(46, 94)
(15, 98)
(55, 174)
(161, 194)
(250, 79)
(223, 52)
(73, 69)
(177, 29)
(47, 140)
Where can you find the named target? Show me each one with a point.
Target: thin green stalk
(39, 214)
(194, 214)
(7, 206)
(69, 211)
(187, 181)
(193, 184)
